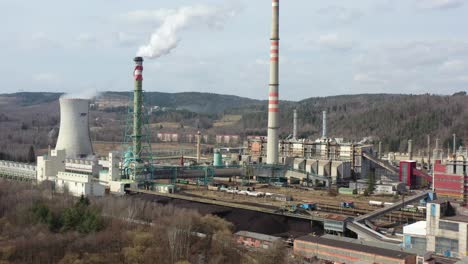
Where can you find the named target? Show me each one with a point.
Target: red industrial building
(411, 176)
(256, 240)
(450, 179)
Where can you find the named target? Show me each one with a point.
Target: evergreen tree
(31, 155)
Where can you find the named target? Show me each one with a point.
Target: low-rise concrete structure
(79, 184)
(256, 240)
(447, 234)
(340, 251)
(443, 232)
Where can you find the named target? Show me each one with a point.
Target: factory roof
(418, 228)
(258, 236)
(335, 243)
(457, 218)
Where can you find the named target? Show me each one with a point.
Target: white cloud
(340, 14)
(127, 39)
(463, 79)
(85, 39)
(439, 4)
(39, 40)
(46, 78)
(367, 78)
(334, 41)
(148, 16)
(419, 66)
(452, 66)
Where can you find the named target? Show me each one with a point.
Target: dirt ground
(316, 196)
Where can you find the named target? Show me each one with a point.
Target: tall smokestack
(273, 96)
(436, 150)
(410, 149)
(324, 124)
(380, 150)
(198, 147)
(454, 144)
(429, 150)
(137, 106)
(295, 124)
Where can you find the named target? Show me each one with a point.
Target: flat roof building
(340, 251)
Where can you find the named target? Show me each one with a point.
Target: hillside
(208, 103)
(31, 119)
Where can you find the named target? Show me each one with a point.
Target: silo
(74, 128)
(217, 159)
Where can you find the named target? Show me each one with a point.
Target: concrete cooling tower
(74, 129)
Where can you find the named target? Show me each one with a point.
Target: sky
(330, 47)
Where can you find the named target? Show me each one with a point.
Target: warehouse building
(255, 240)
(344, 251)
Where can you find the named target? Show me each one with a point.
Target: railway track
(359, 211)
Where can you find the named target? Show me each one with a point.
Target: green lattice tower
(138, 156)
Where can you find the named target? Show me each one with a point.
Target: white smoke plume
(173, 21)
(84, 94)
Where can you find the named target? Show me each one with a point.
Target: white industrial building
(17, 170)
(443, 232)
(79, 184)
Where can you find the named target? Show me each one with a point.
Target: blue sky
(327, 47)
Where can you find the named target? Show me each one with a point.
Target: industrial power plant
(370, 206)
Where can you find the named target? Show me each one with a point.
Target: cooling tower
(74, 129)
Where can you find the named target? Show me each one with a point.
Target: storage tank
(74, 128)
(376, 203)
(217, 159)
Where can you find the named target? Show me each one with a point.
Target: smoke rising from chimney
(173, 21)
(88, 94)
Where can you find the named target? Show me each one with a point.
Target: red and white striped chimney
(273, 96)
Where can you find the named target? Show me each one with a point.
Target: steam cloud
(85, 94)
(166, 37)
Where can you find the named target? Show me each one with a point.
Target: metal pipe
(198, 147)
(410, 149)
(454, 144)
(273, 96)
(324, 124)
(380, 150)
(429, 151)
(436, 150)
(295, 124)
(137, 106)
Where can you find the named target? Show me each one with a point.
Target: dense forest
(31, 120)
(40, 226)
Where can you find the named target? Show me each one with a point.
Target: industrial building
(344, 251)
(444, 232)
(450, 178)
(255, 240)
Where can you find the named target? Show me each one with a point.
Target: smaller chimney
(380, 150)
(454, 144)
(198, 147)
(410, 149)
(324, 125)
(295, 124)
(436, 154)
(429, 150)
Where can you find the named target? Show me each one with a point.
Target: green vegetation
(33, 98)
(80, 217)
(40, 226)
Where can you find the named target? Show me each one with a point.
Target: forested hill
(392, 118)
